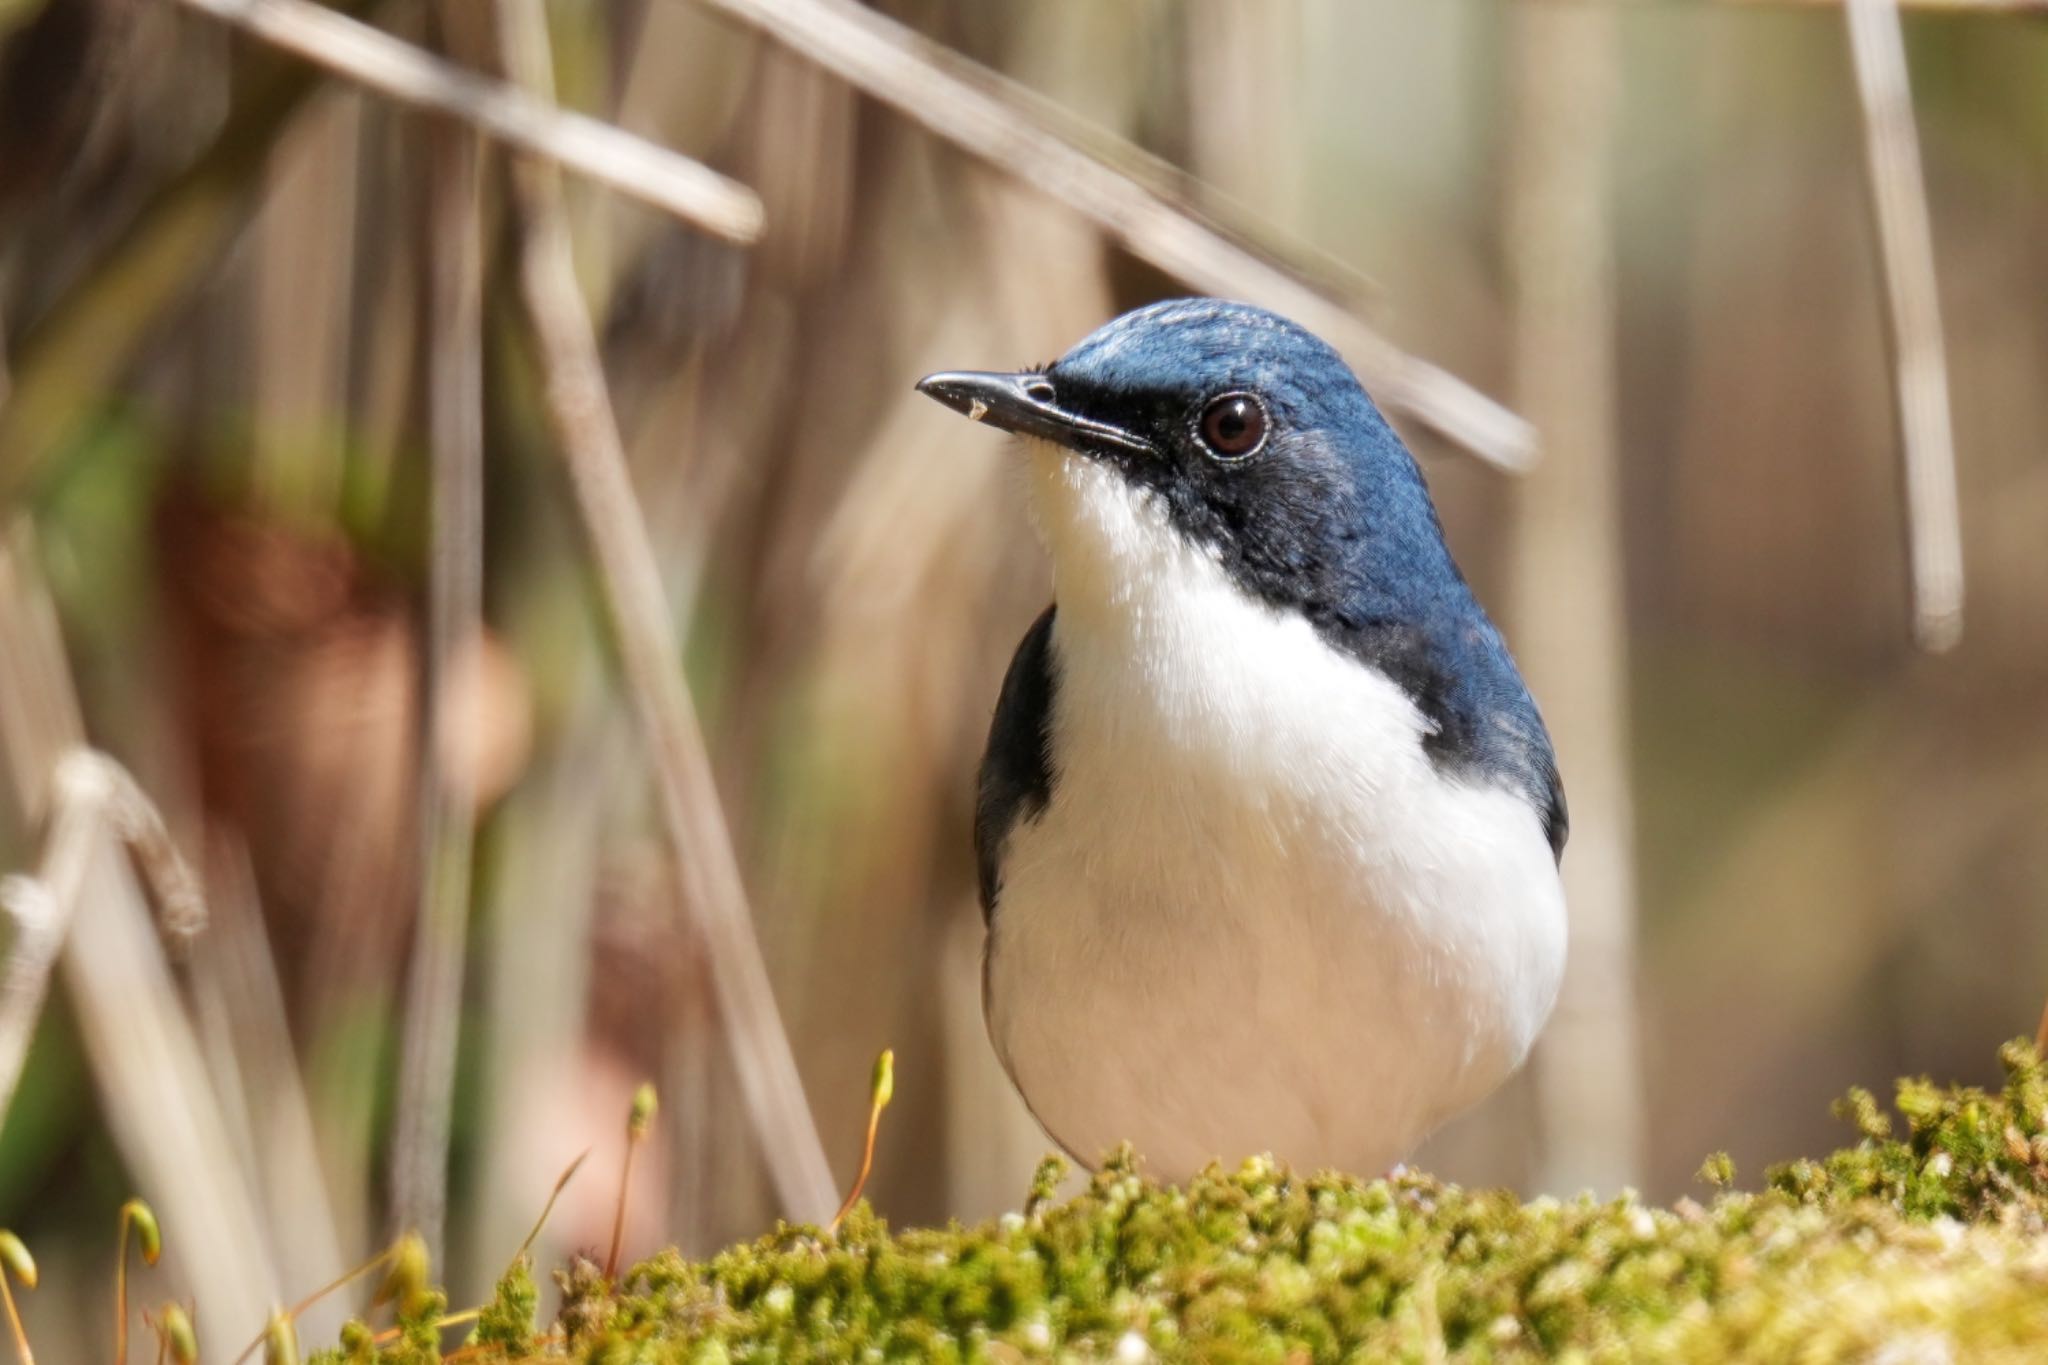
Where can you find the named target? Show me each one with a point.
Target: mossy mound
(1929, 1247)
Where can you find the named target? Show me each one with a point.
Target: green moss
(1930, 1243)
(358, 1347)
(507, 1320)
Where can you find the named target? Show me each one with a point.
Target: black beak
(1027, 404)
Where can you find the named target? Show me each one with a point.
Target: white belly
(1254, 917)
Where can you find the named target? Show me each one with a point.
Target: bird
(1268, 826)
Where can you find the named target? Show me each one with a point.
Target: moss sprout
(507, 1320)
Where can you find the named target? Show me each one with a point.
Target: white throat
(1113, 547)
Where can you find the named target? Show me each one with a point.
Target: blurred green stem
(454, 638)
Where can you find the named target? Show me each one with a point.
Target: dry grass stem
(455, 398)
(90, 796)
(615, 532)
(173, 885)
(1898, 193)
(40, 908)
(994, 119)
(398, 70)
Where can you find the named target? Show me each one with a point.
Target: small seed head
(883, 1086)
(645, 1103)
(14, 1255)
(147, 1233)
(175, 1326)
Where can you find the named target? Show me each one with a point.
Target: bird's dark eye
(1234, 425)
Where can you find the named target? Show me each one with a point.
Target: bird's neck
(1118, 561)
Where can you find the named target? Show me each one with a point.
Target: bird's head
(1238, 432)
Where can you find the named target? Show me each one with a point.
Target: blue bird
(1268, 825)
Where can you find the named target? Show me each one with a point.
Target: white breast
(1254, 917)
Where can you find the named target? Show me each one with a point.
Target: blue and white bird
(1268, 825)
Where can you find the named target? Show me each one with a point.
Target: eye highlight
(1233, 425)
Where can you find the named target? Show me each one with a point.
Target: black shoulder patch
(1481, 716)
(1016, 770)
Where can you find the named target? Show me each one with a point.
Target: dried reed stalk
(447, 785)
(92, 800)
(397, 70)
(1898, 199)
(587, 435)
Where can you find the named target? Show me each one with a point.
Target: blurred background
(242, 304)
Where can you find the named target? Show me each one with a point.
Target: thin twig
(90, 796)
(447, 785)
(41, 908)
(994, 119)
(632, 165)
(629, 579)
(133, 818)
(1898, 196)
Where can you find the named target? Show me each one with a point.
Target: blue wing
(1016, 771)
